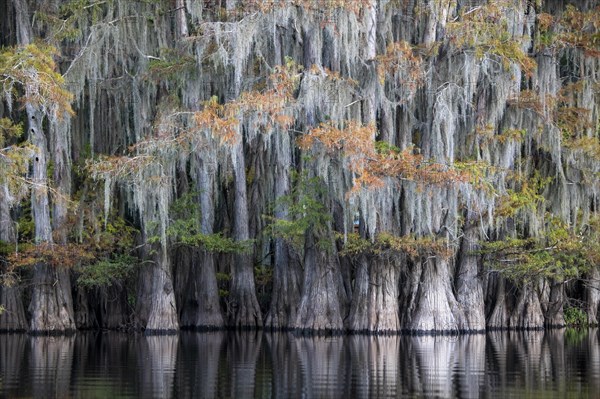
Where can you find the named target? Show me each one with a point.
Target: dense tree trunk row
(447, 103)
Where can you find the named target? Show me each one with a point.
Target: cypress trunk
(592, 296)
(203, 309)
(287, 276)
(244, 311)
(431, 306)
(13, 316)
(468, 283)
(322, 294)
(156, 307)
(375, 307)
(51, 304)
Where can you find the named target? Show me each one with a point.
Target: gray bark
(51, 304)
(592, 296)
(322, 296)
(156, 306)
(431, 304)
(469, 286)
(13, 316)
(527, 311)
(496, 301)
(552, 300)
(375, 307)
(287, 282)
(243, 311)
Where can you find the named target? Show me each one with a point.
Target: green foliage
(479, 174)
(9, 130)
(575, 317)
(223, 281)
(560, 253)
(413, 247)
(171, 64)
(184, 229)
(25, 225)
(484, 30)
(66, 22)
(526, 195)
(306, 211)
(106, 272)
(574, 29)
(14, 158)
(29, 73)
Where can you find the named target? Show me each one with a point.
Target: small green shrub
(575, 317)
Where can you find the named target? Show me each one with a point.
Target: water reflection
(256, 364)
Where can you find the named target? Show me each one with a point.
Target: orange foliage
(401, 63)
(57, 255)
(219, 119)
(264, 6)
(371, 164)
(270, 105)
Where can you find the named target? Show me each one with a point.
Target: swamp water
(556, 363)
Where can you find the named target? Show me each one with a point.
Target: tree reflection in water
(282, 365)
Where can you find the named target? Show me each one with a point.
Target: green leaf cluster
(106, 272)
(29, 73)
(575, 317)
(484, 30)
(171, 64)
(66, 22)
(184, 229)
(560, 254)
(413, 247)
(527, 194)
(305, 211)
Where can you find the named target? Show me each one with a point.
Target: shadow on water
(554, 363)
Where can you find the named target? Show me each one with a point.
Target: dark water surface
(255, 364)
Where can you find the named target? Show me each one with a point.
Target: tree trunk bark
(322, 296)
(431, 305)
(85, 317)
(51, 304)
(469, 287)
(203, 309)
(553, 298)
(592, 296)
(182, 27)
(200, 307)
(497, 302)
(527, 313)
(13, 316)
(375, 307)
(156, 307)
(244, 311)
(287, 273)
(112, 312)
